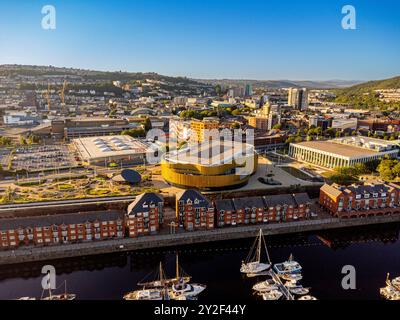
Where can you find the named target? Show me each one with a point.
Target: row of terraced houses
(194, 212)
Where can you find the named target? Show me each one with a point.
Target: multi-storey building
(201, 128)
(145, 215)
(248, 210)
(298, 98)
(61, 229)
(254, 210)
(360, 200)
(194, 211)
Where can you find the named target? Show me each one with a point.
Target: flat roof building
(112, 149)
(342, 152)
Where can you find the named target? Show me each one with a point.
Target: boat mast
(259, 247)
(266, 250)
(177, 266)
(50, 289)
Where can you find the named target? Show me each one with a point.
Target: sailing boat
(177, 288)
(64, 296)
(253, 264)
(181, 289)
(156, 291)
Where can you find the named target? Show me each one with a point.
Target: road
(66, 202)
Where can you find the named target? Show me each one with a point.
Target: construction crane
(46, 95)
(62, 95)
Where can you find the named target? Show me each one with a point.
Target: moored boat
(299, 290)
(253, 264)
(272, 295)
(307, 298)
(288, 267)
(59, 297)
(266, 286)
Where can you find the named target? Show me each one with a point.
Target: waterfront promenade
(30, 254)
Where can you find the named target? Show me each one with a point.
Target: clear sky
(246, 39)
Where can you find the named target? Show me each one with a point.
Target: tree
(147, 124)
(236, 112)
(278, 126)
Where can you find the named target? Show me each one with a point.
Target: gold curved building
(218, 165)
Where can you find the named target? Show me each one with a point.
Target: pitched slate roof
(193, 195)
(226, 205)
(144, 199)
(301, 198)
(248, 203)
(59, 219)
(280, 199)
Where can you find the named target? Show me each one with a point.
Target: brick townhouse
(145, 215)
(61, 229)
(194, 211)
(360, 200)
(254, 210)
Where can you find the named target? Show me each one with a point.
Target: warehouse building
(112, 149)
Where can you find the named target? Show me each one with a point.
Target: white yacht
(288, 267)
(146, 294)
(178, 288)
(272, 295)
(266, 286)
(391, 291)
(26, 298)
(153, 291)
(299, 290)
(59, 297)
(253, 264)
(291, 276)
(307, 298)
(182, 288)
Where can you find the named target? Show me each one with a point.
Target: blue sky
(247, 39)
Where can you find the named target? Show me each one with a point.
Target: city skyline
(261, 40)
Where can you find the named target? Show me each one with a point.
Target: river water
(373, 251)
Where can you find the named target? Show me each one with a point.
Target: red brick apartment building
(145, 215)
(61, 229)
(360, 200)
(194, 211)
(255, 210)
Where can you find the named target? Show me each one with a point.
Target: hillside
(43, 71)
(392, 83)
(364, 96)
(277, 84)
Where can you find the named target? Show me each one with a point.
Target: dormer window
(196, 201)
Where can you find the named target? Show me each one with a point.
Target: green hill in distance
(364, 96)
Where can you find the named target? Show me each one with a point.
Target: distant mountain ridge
(31, 70)
(391, 83)
(276, 84)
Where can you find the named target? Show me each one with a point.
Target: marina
(371, 250)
